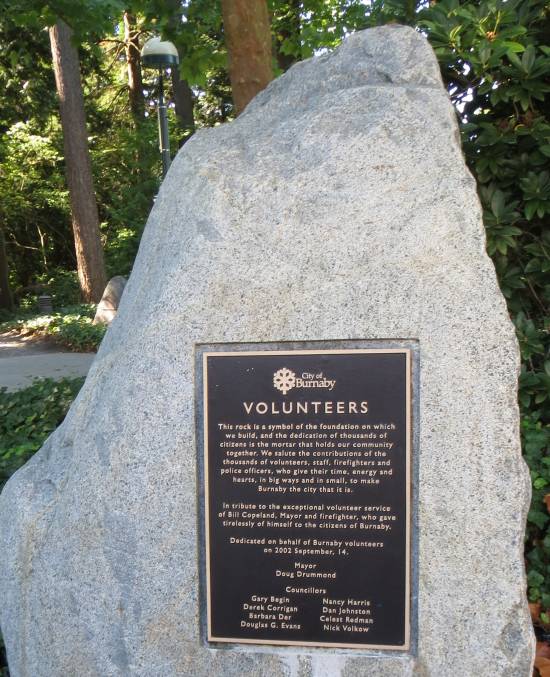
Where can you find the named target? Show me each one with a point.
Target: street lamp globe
(157, 53)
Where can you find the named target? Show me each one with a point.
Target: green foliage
(199, 38)
(63, 287)
(214, 104)
(496, 62)
(395, 11)
(76, 332)
(126, 166)
(26, 77)
(87, 18)
(536, 446)
(72, 328)
(34, 211)
(27, 417)
(300, 29)
(34, 207)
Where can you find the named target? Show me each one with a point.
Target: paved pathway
(24, 359)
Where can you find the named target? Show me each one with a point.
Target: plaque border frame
(343, 346)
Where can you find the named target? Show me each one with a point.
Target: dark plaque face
(307, 496)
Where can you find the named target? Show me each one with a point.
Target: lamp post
(161, 54)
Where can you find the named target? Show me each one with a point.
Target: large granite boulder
(337, 206)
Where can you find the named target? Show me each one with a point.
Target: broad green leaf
(528, 58)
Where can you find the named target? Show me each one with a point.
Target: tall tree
(6, 299)
(248, 41)
(183, 103)
(135, 83)
(85, 219)
(181, 91)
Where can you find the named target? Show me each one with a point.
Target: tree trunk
(181, 92)
(248, 42)
(6, 299)
(183, 103)
(135, 83)
(89, 252)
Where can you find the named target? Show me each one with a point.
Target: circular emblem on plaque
(284, 380)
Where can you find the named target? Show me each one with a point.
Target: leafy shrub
(63, 287)
(71, 328)
(495, 60)
(28, 303)
(27, 417)
(536, 441)
(77, 332)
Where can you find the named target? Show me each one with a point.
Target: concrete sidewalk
(22, 360)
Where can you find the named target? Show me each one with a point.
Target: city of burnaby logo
(284, 380)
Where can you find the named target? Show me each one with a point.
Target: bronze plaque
(307, 496)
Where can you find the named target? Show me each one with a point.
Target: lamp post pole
(164, 136)
(161, 54)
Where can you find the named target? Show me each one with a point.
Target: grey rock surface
(337, 206)
(108, 305)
